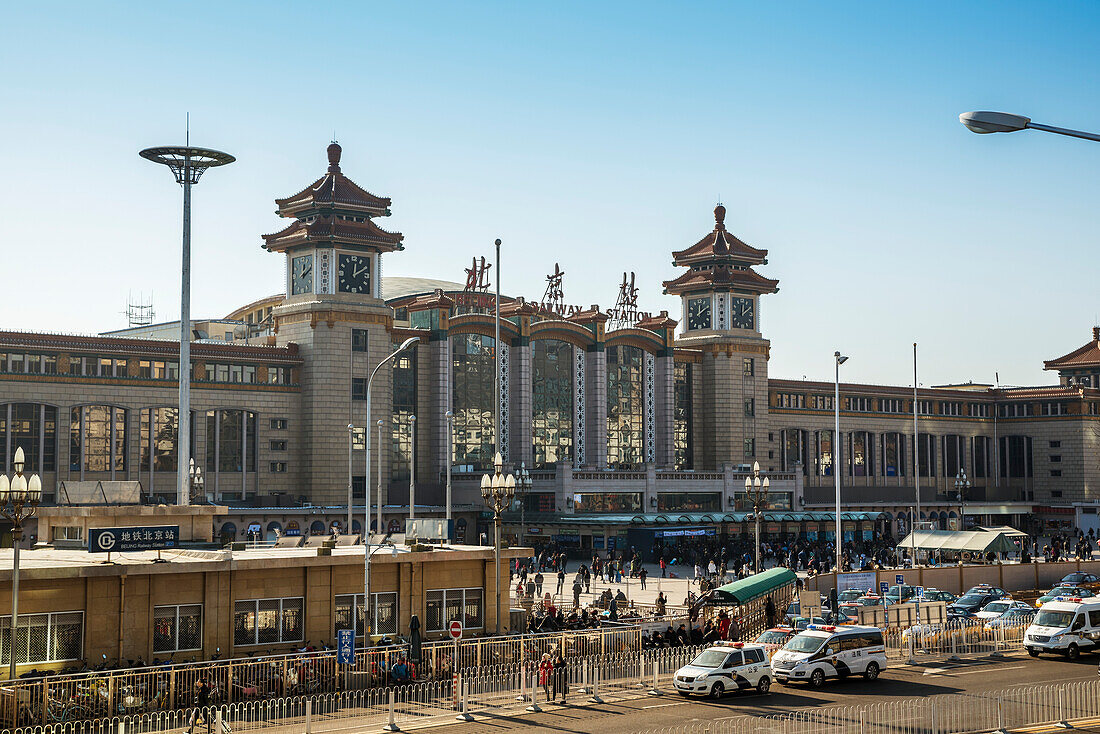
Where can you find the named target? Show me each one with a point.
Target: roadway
(900, 682)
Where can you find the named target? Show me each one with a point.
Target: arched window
(625, 407)
(552, 404)
(473, 375)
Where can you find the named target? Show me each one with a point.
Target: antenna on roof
(139, 312)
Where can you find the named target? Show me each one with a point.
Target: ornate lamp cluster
(498, 492)
(19, 498)
(756, 489)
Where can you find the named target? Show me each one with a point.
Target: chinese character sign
(117, 540)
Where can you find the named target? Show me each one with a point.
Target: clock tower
(334, 312)
(720, 296)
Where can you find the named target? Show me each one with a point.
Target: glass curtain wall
(552, 404)
(625, 407)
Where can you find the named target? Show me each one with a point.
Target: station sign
(345, 647)
(120, 540)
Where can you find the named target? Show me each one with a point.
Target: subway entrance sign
(121, 540)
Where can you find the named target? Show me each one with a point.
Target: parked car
(999, 592)
(775, 638)
(995, 609)
(904, 592)
(725, 666)
(937, 595)
(1016, 617)
(1079, 592)
(974, 601)
(1080, 578)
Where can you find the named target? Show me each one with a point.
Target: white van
(827, 651)
(725, 666)
(1066, 625)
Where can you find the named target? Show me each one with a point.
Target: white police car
(725, 666)
(826, 651)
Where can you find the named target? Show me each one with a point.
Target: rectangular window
(278, 424)
(979, 410)
(1055, 408)
(248, 374)
(277, 445)
(221, 373)
(890, 405)
(682, 423)
(43, 638)
(278, 375)
(1056, 458)
(236, 373)
(1055, 444)
(358, 340)
(267, 621)
(950, 408)
(446, 605)
(1055, 472)
(924, 407)
(983, 452)
(278, 467)
(858, 405)
(750, 448)
(894, 457)
(359, 388)
(177, 628)
(748, 366)
(790, 400)
(750, 407)
(384, 608)
(822, 402)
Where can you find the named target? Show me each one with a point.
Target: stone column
(596, 408)
(664, 397)
(520, 397)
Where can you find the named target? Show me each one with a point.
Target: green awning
(754, 587)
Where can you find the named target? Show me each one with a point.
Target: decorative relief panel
(650, 409)
(324, 271)
(721, 308)
(502, 442)
(578, 406)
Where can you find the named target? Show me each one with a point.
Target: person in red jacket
(546, 671)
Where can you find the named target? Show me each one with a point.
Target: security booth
(756, 602)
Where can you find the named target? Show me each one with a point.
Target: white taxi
(725, 666)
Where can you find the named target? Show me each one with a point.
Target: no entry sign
(455, 628)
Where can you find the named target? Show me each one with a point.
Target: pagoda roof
(327, 229)
(1085, 356)
(718, 276)
(719, 244)
(334, 190)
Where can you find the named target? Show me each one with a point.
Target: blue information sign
(345, 647)
(118, 540)
(899, 579)
(883, 587)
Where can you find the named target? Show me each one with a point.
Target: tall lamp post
(19, 500)
(962, 487)
(197, 485)
(408, 343)
(187, 165)
(412, 467)
(1004, 122)
(523, 485)
(757, 491)
(449, 417)
(840, 359)
(498, 491)
(351, 439)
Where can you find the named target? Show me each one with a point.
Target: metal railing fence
(955, 713)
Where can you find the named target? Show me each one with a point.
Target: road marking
(662, 705)
(948, 671)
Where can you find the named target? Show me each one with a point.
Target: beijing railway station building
(633, 425)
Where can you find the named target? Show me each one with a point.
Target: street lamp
(840, 359)
(412, 467)
(1004, 122)
(498, 491)
(19, 499)
(351, 437)
(523, 484)
(449, 417)
(962, 487)
(187, 165)
(408, 343)
(195, 480)
(757, 492)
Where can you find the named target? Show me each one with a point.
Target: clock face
(741, 313)
(301, 280)
(354, 275)
(698, 316)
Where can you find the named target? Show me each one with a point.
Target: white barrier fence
(955, 713)
(496, 689)
(953, 640)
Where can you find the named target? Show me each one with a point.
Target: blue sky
(597, 135)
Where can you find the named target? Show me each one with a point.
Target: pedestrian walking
(641, 576)
(561, 581)
(538, 583)
(561, 677)
(546, 672)
(202, 707)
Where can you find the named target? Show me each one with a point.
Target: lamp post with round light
(757, 492)
(19, 500)
(497, 491)
(962, 487)
(197, 483)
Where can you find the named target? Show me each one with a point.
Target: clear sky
(597, 135)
